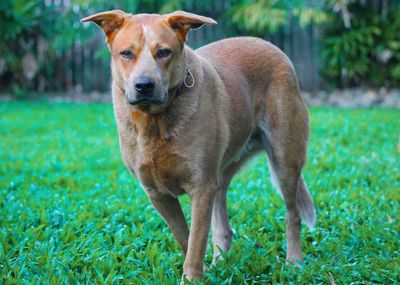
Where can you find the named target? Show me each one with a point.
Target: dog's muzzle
(144, 93)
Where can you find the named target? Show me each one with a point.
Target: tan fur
(245, 99)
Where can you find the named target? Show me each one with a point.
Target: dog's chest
(154, 158)
(160, 169)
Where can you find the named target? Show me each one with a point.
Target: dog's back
(252, 70)
(252, 57)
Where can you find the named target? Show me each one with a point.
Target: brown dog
(188, 120)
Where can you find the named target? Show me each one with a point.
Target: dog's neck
(171, 121)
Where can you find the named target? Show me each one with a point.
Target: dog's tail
(305, 204)
(304, 201)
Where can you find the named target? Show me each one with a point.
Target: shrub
(364, 47)
(23, 24)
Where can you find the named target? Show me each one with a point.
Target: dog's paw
(186, 278)
(191, 275)
(297, 262)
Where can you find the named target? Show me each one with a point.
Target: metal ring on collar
(188, 73)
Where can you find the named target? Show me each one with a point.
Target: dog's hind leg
(285, 141)
(221, 229)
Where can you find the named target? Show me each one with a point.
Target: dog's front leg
(201, 210)
(170, 209)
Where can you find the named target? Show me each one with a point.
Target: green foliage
(261, 16)
(18, 17)
(70, 213)
(21, 23)
(252, 16)
(367, 50)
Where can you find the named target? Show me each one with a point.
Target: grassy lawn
(70, 213)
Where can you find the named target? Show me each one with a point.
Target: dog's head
(147, 53)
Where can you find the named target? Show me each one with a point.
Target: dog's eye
(126, 54)
(163, 53)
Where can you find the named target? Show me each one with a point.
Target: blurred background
(340, 48)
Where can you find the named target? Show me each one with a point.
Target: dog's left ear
(110, 21)
(182, 21)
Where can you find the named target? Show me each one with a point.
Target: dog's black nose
(144, 85)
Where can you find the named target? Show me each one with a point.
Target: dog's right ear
(110, 21)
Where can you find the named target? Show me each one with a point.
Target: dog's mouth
(146, 100)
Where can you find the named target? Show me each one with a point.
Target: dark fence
(82, 68)
(299, 44)
(85, 67)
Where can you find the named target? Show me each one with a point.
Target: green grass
(70, 213)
